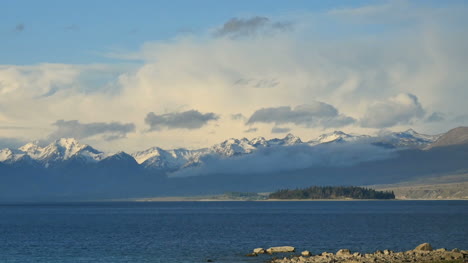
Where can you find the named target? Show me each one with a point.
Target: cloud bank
(289, 158)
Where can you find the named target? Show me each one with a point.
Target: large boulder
(343, 253)
(424, 247)
(259, 250)
(306, 253)
(283, 249)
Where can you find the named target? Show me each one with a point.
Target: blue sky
(132, 74)
(80, 31)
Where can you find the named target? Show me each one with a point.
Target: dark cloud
(108, 131)
(191, 120)
(311, 115)
(280, 130)
(257, 83)
(237, 117)
(401, 109)
(251, 130)
(19, 27)
(50, 92)
(237, 27)
(436, 117)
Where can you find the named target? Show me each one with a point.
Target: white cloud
(401, 109)
(327, 57)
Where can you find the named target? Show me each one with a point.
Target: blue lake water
(221, 231)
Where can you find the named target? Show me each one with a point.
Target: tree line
(332, 192)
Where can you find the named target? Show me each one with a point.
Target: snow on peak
(291, 139)
(337, 136)
(66, 148)
(259, 142)
(142, 156)
(32, 149)
(407, 139)
(6, 155)
(232, 147)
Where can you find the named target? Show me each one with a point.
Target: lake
(221, 231)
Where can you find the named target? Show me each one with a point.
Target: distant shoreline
(193, 199)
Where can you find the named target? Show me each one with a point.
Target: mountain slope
(457, 136)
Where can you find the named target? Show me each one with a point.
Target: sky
(129, 75)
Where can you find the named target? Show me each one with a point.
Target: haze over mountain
(71, 170)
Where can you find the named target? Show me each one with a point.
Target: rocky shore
(422, 253)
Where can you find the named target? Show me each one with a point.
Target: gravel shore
(422, 253)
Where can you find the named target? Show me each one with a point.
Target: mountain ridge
(156, 158)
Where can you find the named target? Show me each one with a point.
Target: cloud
(73, 128)
(280, 130)
(290, 158)
(314, 114)
(327, 57)
(257, 83)
(401, 109)
(19, 27)
(237, 27)
(237, 117)
(190, 120)
(436, 117)
(251, 130)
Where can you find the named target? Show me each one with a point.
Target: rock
(343, 252)
(387, 252)
(306, 253)
(424, 247)
(441, 250)
(378, 252)
(455, 250)
(284, 249)
(259, 250)
(251, 255)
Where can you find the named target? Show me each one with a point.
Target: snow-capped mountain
(171, 160)
(8, 155)
(233, 147)
(337, 136)
(69, 150)
(290, 139)
(65, 149)
(406, 139)
(157, 158)
(58, 151)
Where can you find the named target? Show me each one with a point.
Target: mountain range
(69, 170)
(68, 150)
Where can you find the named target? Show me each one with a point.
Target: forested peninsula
(331, 192)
